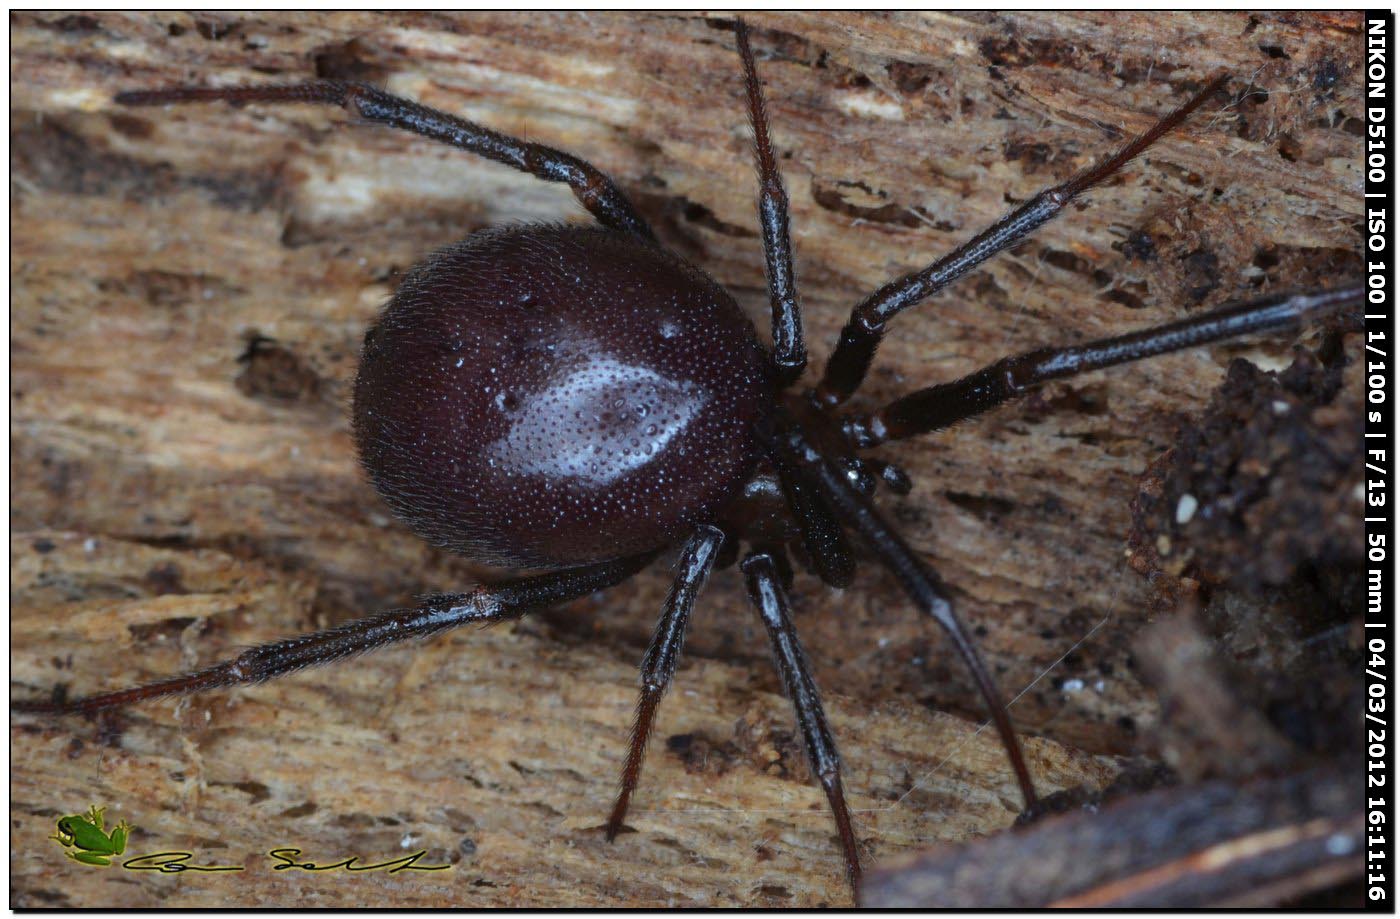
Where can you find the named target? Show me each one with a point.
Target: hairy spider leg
(860, 337)
(946, 404)
(594, 190)
(484, 605)
(766, 591)
(920, 582)
(789, 353)
(659, 665)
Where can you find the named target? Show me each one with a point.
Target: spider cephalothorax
(581, 400)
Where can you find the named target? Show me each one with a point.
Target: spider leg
(920, 582)
(598, 194)
(484, 605)
(861, 335)
(659, 665)
(766, 591)
(948, 403)
(823, 540)
(789, 352)
(779, 554)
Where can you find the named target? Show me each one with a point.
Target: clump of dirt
(1262, 494)
(1249, 529)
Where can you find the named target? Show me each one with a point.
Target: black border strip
(1378, 249)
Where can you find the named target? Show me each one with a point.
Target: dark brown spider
(595, 326)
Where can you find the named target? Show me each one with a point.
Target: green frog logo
(88, 843)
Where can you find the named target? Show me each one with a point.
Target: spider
(809, 487)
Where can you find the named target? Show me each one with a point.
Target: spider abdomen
(550, 396)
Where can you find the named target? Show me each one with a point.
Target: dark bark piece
(1216, 844)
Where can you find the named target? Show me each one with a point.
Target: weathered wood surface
(177, 493)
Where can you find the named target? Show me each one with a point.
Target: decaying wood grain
(188, 292)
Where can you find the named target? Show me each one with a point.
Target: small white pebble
(1340, 844)
(870, 105)
(1098, 686)
(1186, 508)
(408, 840)
(884, 642)
(1280, 407)
(89, 545)
(1073, 686)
